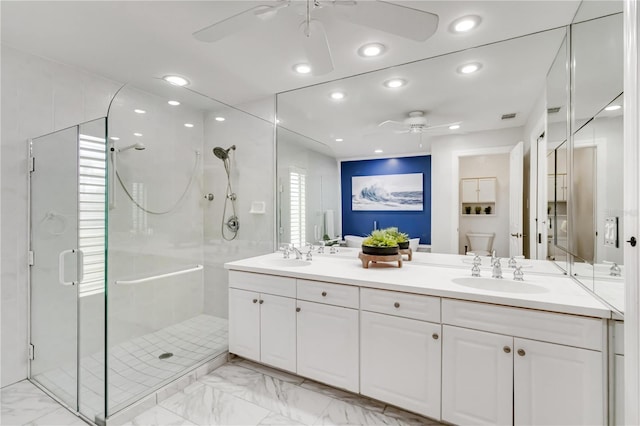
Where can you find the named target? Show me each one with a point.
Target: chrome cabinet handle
(507, 349)
(261, 301)
(521, 352)
(435, 336)
(297, 309)
(324, 294)
(397, 305)
(255, 300)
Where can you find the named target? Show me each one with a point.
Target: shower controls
(233, 224)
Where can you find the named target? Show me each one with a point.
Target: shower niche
(123, 299)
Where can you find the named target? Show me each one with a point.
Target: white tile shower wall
(252, 179)
(39, 96)
(144, 244)
(442, 160)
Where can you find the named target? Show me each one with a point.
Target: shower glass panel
(54, 274)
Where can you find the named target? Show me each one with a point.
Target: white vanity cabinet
(327, 333)
(498, 369)
(262, 324)
(400, 351)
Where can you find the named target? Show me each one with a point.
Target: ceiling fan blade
(233, 24)
(442, 125)
(391, 18)
(393, 125)
(316, 47)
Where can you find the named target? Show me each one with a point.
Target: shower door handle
(61, 267)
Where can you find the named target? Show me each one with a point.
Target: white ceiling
(130, 41)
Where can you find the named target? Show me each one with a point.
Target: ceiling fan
(416, 122)
(406, 22)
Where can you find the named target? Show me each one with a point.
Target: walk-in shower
(127, 288)
(231, 223)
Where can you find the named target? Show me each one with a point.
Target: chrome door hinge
(32, 164)
(32, 352)
(31, 258)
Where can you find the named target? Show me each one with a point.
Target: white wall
(444, 164)
(39, 96)
(497, 166)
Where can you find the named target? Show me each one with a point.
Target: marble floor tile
(204, 405)
(343, 413)
(59, 417)
(408, 418)
(278, 420)
(284, 376)
(343, 395)
(289, 400)
(23, 402)
(158, 416)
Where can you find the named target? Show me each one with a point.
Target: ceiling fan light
(371, 50)
(176, 80)
(395, 83)
(465, 24)
(302, 68)
(469, 68)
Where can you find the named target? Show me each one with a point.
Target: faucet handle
(518, 275)
(286, 252)
(309, 255)
(475, 270)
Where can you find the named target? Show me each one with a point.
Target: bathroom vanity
(426, 338)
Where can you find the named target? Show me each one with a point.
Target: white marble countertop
(548, 292)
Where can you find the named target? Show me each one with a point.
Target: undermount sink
(286, 263)
(495, 284)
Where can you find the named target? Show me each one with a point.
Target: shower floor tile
(134, 365)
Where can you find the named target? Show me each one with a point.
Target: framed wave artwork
(404, 192)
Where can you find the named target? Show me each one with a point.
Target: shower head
(222, 153)
(137, 146)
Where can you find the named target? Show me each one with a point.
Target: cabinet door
(618, 395)
(477, 377)
(487, 190)
(244, 324)
(557, 385)
(400, 362)
(327, 341)
(278, 331)
(469, 190)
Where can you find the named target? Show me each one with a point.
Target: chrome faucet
(615, 270)
(518, 275)
(296, 251)
(496, 272)
(475, 270)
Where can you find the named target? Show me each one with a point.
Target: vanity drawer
(568, 330)
(329, 293)
(261, 283)
(415, 306)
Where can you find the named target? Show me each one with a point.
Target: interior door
(56, 269)
(516, 170)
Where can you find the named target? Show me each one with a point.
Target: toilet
(480, 243)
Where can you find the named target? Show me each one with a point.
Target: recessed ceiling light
(378, 151)
(469, 68)
(394, 83)
(188, 125)
(114, 138)
(176, 80)
(220, 118)
(137, 134)
(173, 103)
(613, 108)
(464, 24)
(277, 121)
(454, 127)
(339, 139)
(371, 49)
(337, 96)
(302, 68)
(139, 111)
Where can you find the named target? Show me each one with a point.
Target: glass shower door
(56, 269)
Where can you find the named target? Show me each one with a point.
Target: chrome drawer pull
(397, 305)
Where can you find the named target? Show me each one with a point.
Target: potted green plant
(478, 209)
(467, 209)
(401, 238)
(487, 210)
(379, 243)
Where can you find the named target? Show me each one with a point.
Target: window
(297, 182)
(91, 198)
